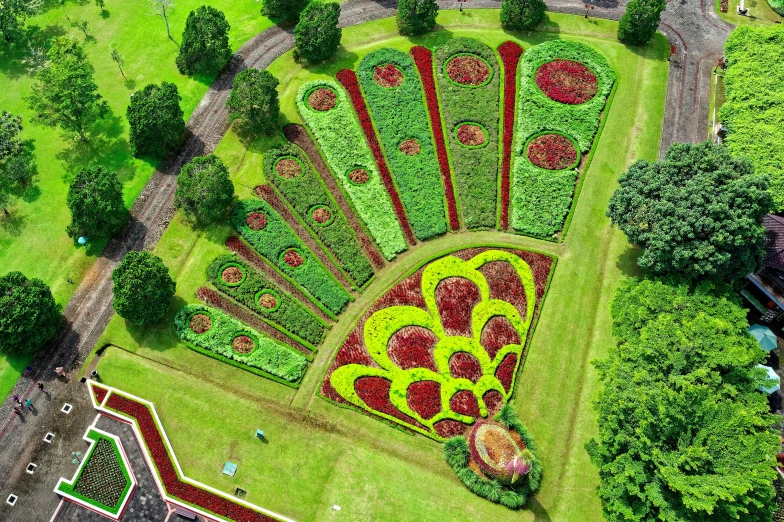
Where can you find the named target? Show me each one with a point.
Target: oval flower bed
(243, 344)
(388, 75)
(293, 258)
(321, 215)
(288, 168)
(469, 70)
(256, 221)
(359, 176)
(471, 135)
(552, 152)
(322, 99)
(410, 147)
(200, 323)
(268, 300)
(567, 81)
(232, 275)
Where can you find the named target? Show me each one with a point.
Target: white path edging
(148, 458)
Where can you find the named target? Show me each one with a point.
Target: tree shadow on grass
(13, 223)
(540, 513)
(627, 262)
(162, 335)
(34, 37)
(105, 14)
(106, 146)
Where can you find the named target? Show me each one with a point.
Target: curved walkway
(694, 28)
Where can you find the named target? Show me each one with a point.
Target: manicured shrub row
(188, 493)
(540, 199)
(278, 360)
(510, 53)
(423, 59)
(308, 197)
(474, 169)
(348, 79)
(343, 143)
(286, 313)
(400, 117)
(458, 455)
(284, 250)
(424, 330)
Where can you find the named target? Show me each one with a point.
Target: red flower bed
(456, 298)
(322, 99)
(471, 135)
(424, 397)
(510, 57)
(293, 258)
(412, 347)
(410, 147)
(243, 344)
(449, 428)
(505, 371)
(322, 215)
(288, 168)
(724, 6)
(231, 274)
(424, 62)
(374, 391)
(497, 333)
(388, 75)
(567, 81)
(99, 393)
(467, 69)
(493, 402)
(552, 152)
(200, 323)
(171, 482)
(359, 176)
(348, 79)
(465, 403)
(256, 220)
(463, 365)
(268, 301)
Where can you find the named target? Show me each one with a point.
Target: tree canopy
(96, 204)
(204, 190)
(522, 15)
(205, 42)
(143, 289)
(29, 316)
(156, 119)
(284, 10)
(253, 101)
(17, 164)
(697, 214)
(640, 21)
(13, 14)
(684, 433)
(317, 34)
(416, 16)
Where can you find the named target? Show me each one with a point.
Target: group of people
(28, 371)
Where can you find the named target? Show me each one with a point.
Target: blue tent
(772, 376)
(764, 336)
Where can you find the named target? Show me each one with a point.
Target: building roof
(774, 241)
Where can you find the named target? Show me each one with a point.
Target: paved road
(691, 24)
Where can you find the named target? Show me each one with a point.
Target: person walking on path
(59, 371)
(17, 411)
(41, 386)
(17, 400)
(29, 404)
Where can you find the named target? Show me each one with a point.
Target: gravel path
(690, 24)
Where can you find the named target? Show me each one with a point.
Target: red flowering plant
(510, 57)
(467, 69)
(388, 75)
(552, 152)
(441, 347)
(567, 81)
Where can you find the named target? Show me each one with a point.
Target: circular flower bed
(293, 258)
(498, 451)
(552, 152)
(200, 323)
(410, 147)
(471, 135)
(288, 168)
(388, 75)
(567, 81)
(243, 344)
(321, 215)
(256, 221)
(322, 99)
(268, 300)
(467, 69)
(232, 275)
(359, 176)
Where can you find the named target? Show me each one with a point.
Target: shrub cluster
(475, 170)
(268, 355)
(343, 143)
(285, 251)
(307, 194)
(399, 114)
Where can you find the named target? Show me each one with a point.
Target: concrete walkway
(694, 28)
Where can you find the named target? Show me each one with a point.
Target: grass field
(760, 13)
(319, 455)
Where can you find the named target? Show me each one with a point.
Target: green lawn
(318, 454)
(760, 13)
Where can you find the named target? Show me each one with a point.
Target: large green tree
(205, 42)
(416, 16)
(253, 101)
(696, 214)
(13, 14)
(204, 190)
(96, 204)
(17, 164)
(284, 10)
(156, 119)
(64, 93)
(522, 15)
(640, 21)
(29, 316)
(684, 433)
(143, 289)
(317, 34)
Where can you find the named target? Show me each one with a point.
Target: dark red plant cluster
(359, 176)
(424, 397)
(467, 70)
(200, 323)
(412, 347)
(174, 486)
(471, 135)
(388, 75)
(348, 79)
(505, 371)
(724, 6)
(497, 333)
(231, 274)
(268, 301)
(293, 258)
(374, 391)
(463, 365)
(321, 215)
(410, 147)
(510, 57)
(448, 428)
(99, 393)
(567, 81)
(288, 168)
(243, 344)
(256, 220)
(552, 152)
(322, 99)
(465, 403)
(424, 62)
(456, 298)
(493, 402)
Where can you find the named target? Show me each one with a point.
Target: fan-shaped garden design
(406, 148)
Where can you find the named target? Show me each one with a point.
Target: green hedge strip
(399, 114)
(342, 141)
(274, 240)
